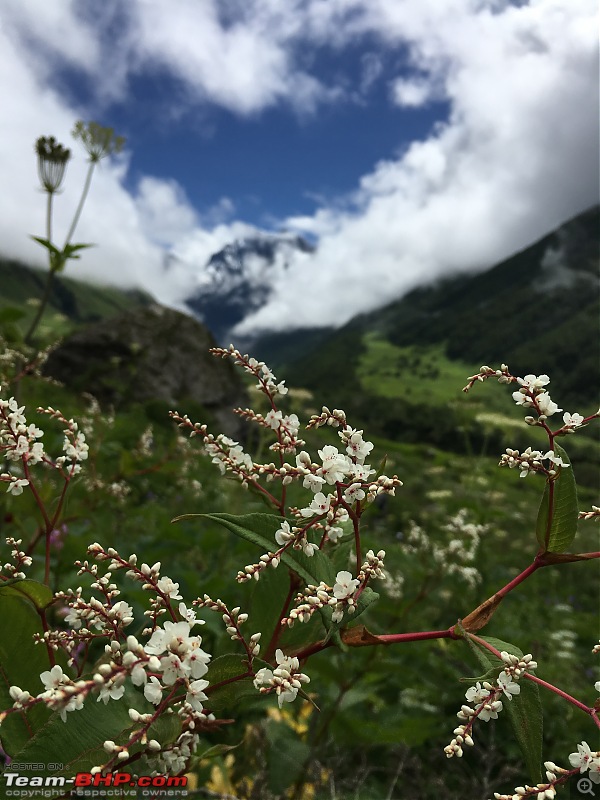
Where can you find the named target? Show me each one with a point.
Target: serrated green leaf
(558, 525)
(260, 530)
(21, 664)
(524, 710)
(38, 593)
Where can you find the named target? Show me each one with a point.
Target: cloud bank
(516, 156)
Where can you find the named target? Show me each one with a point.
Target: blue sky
(406, 138)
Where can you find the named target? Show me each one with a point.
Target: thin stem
(84, 193)
(353, 638)
(535, 565)
(294, 583)
(394, 638)
(590, 711)
(49, 281)
(51, 656)
(248, 674)
(562, 694)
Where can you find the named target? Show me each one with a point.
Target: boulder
(151, 354)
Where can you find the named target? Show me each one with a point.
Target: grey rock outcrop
(151, 354)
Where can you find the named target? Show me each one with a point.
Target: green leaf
(286, 758)
(47, 244)
(21, 664)
(524, 710)
(73, 248)
(11, 314)
(260, 530)
(563, 522)
(223, 668)
(38, 593)
(214, 752)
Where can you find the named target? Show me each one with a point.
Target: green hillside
(396, 368)
(71, 302)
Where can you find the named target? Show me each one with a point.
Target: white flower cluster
(19, 560)
(486, 699)
(586, 759)
(170, 666)
(285, 680)
(593, 514)
(453, 549)
(341, 597)
(267, 382)
(18, 442)
(583, 760)
(532, 461)
(532, 394)
(233, 620)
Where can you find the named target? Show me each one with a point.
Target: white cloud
(517, 155)
(411, 92)
(166, 213)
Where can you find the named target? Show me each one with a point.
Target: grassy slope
(71, 301)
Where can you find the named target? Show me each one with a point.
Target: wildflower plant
(99, 142)
(137, 686)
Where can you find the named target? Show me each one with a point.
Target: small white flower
(534, 382)
(195, 694)
(476, 694)
(169, 587)
(353, 493)
(320, 505)
(357, 446)
(572, 420)
(313, 482)
(555, 459)
(273, 419)
(345, 585)
(335, 464)
(284, 534)
(153, 691)
(585, 759)
(111, 693)
(546, 404)
(508, 686)
(15, 487)
(54, 678)
(189, 615)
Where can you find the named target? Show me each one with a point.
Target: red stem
(590, 711)
(535, 565)
(562, 694)
(393, 638)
